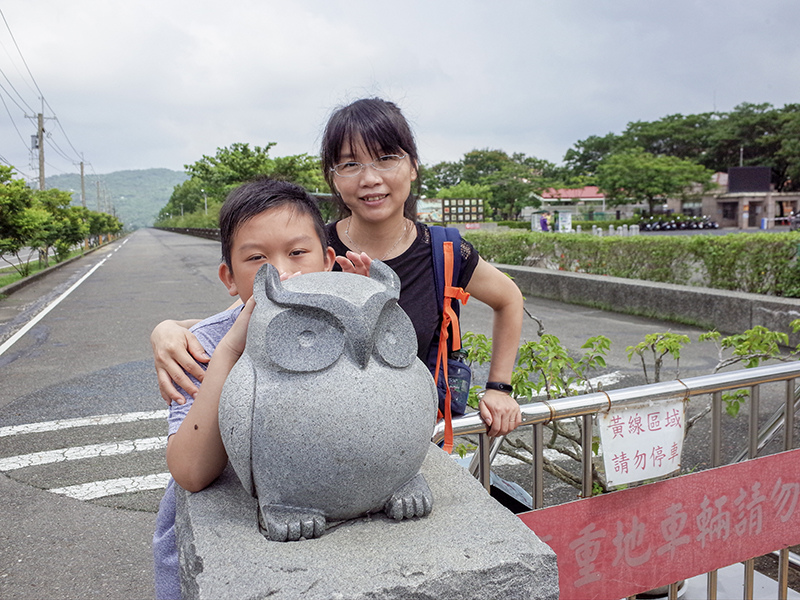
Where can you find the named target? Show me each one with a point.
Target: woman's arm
(195, 453)
(177, 352)
(499, 410)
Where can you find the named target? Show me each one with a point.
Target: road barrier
(766, 493)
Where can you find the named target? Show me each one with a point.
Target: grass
(9, 275)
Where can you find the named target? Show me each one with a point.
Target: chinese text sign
(641, 442)
(622, 543)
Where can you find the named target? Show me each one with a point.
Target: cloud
(152, 84)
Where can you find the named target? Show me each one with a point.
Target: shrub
(764, 263)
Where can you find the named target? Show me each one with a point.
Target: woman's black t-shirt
(414, 267)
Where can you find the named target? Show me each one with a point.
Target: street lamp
(205, 198)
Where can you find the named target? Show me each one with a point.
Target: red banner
(626, 542)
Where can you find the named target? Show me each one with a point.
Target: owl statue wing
(236, 418)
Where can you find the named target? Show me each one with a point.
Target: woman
(370, 161)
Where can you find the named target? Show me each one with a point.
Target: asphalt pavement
(82, 426)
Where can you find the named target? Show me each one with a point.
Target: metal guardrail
(539, 413)
(209, 234)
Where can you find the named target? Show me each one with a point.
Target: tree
(439, 176)
(789, 151)
(212, 177)
(55, 221)
(585, 155)
(74, 229)
(301, 169)
(466, 190)
(688, 137)
(18, 219)
(636, 176)
(755, 134)
(478, 166)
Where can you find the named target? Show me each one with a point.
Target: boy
(261, 221)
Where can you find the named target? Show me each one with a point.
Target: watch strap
(496, 385)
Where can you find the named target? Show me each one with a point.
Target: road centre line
(30, 324)
(61, 424)
(112, 487)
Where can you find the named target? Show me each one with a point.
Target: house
(746, 198)
(588, 202)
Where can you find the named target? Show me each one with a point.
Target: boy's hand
(500, 412)
(175, 348)
(355, 263)
(235, 339)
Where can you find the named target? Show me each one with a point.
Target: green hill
(135, 197)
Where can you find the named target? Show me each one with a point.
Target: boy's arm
(499, 410)
(195, 453)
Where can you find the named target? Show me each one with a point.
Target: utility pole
(40, 134)
(83, 188)
(39, 137)
(98, 196)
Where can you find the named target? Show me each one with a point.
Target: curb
(18, 285)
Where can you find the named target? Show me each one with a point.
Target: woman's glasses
(352, 168)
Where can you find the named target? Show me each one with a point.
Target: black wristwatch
(496, 385)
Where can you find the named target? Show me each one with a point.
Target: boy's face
(282, 237)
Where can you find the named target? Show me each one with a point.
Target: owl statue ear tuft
(267, 276)
(383, 273)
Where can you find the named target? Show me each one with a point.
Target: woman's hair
(383, 129)
(260, 195)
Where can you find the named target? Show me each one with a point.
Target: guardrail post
(538, 465)
(484, 463)
(586, 442)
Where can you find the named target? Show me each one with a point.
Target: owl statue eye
(392, 338)
(304, 341)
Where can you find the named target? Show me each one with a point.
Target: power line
(12, 121)
(51, 141)
(66, 137)
(58, 149)
(15, 89)
(24, 62)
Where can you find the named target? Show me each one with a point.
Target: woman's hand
(500, 412)
(177, 352)
(355, 263)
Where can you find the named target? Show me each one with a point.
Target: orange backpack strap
(449, 323)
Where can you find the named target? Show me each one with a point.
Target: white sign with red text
(641, 442)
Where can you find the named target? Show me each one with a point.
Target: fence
(585, 407)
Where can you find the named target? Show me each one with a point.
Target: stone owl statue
(328, 414)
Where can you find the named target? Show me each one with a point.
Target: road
(82, 427)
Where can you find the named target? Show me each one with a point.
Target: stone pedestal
(468, 547)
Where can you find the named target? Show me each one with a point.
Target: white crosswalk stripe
(111, 487)
(80, 452)
(33, 467)
(82, 422)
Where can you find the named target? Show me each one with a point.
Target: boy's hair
(383, 129)
(260, 195)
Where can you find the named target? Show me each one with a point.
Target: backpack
(451, 374)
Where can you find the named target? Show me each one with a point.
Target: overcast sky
(159, 83)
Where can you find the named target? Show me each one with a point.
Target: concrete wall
(728, 312)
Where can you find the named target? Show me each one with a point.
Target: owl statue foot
(414, 499)
(285, 524)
